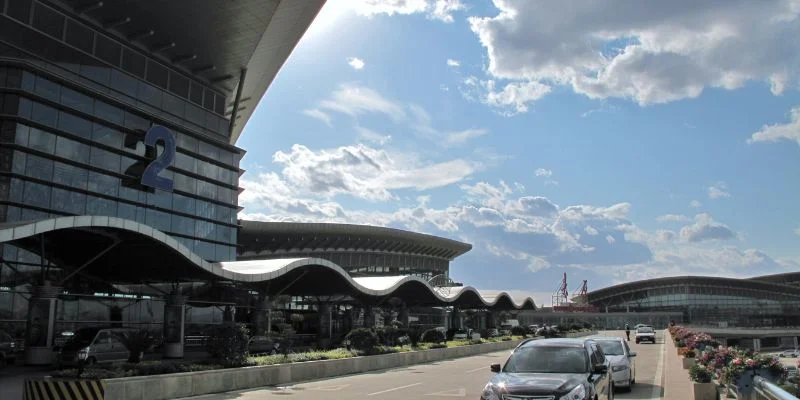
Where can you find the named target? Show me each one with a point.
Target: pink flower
(737, 361)
(750, 362)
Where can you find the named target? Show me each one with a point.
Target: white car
(789, 353)
(620, 358)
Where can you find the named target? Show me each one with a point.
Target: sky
(609, 140)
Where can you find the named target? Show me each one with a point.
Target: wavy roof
(140, 254)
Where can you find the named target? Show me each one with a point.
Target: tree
(136, 342)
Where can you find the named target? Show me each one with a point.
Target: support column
(756, 344)
(794, 339)
(325, 325)
(41, 325)
(261, 319)
(174, 325)
(228, 314)
(369, 317)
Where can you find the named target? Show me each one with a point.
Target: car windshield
(547, 359)
(645, 329)
(611, 347)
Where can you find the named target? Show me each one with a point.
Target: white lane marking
(476, 370)
(460, 392)
(330, 388)
(659, 380)
(393, 389)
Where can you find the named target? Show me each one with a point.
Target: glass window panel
(225, 195)
(100, 206)
(11, 105)
(158, 219)
(132, 194)
(36, 194)
(47, 89)
(76, 100)
(224, 233)
(107, 50)
(96, 71)
(219, 105)
(206, 189)
(183, 204)
(222, 253)
(206, 169)
(70, 175)
(68, 201)
(160, 199)
(157, 74)
(208, 100)
(39, 139)
(185, 162)
(179, 85)
(104, 159)
(205, 209)
(39, 167)
(185, 183)
(133, 62)
(149, 94)
(75, 125)
(48, 21)
(128, 211)
(123, 83)
(133, 121)
(45, 115)
(183, 225)
(33, 215)
(107, 136)
(15, 190)
(196, 93)
(174, 105)
(108, 112)
(126, 163)
(205, 250)
(72, 150)
(186, 142)
(103, 184)
(20, 10)
(8, 129)
(195, 114)
(80, 36)
(135, 147)
(25, 107)
(18, 162)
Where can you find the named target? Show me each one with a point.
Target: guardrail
(766, 390)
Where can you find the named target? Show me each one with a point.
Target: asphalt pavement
(462, 377)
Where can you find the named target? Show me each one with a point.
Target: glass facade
(75, 104)
(714, 305)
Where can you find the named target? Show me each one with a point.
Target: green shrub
(506, 338)
(136, 342)
(699, 373)
(362, 339)
(438, 346)
(228, 343)
(518, 331)
(432, 336)
(413, 336)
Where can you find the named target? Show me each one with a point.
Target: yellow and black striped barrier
(55, 389)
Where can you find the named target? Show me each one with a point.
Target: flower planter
(705, 391)
(688, 362)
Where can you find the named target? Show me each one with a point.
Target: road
(458, 378)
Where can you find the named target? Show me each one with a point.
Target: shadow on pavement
(640, 390)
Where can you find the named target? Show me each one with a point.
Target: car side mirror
(632, 354)
(495, 368)
(600, 369)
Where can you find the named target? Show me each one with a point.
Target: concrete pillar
(261, 319)
(228, 314)
(41, 325)
(756, 344)
(369, 317)
(174, 325)
(794, 339)
(325, 325)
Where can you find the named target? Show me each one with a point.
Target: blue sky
(610, 143)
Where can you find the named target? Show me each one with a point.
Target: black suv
(558, 369)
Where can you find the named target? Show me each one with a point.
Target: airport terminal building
(119, 182)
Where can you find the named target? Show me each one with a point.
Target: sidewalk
(676, 382)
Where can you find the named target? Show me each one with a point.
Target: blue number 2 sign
(158, 162)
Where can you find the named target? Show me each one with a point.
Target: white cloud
(356, 62)
(695, 204)
(441, 10)
(453, 63)
(369, 135)
(665, 236)
(512, 99)
(705, 228)
(779, 132)
(354, 100)
(610, 239)
(718, 190)
(423, 125)
(363, 172)
(797, 231)
(544, 172)
(650, 54)
(672, 218)
(461, 137)
(319, 115)
(591, 231)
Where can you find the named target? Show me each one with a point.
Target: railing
(764, 389)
